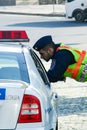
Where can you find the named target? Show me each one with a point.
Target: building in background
(29, 2)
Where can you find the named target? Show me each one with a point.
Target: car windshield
(40, 67)
(13, 66)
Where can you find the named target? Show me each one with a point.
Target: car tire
(57, 124)
(79, 16)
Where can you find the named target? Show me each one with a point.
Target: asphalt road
(72, 101)
(72, 105)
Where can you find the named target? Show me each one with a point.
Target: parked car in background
(26, 97)
(76, 9)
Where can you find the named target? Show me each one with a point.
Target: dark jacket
(60, 62)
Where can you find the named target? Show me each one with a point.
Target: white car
(27, 101)
(76, 9)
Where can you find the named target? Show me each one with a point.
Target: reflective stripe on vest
(79, 61)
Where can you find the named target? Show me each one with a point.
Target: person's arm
(59, 65)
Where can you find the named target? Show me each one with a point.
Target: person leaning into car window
(66, 61)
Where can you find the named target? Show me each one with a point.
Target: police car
(27, 101)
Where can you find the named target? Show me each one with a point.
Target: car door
(52, 96)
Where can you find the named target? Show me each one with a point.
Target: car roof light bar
(13, 36)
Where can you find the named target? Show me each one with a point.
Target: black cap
(42, 42)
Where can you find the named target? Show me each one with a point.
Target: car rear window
(13, 66)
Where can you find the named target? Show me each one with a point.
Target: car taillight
(30, 110)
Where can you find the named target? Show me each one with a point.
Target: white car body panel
(75, 4)
(13, 97)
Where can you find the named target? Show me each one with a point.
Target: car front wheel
(57, 125)
(79, 16)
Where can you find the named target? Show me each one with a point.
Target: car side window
(39, 67)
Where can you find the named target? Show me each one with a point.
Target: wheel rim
(79, 16)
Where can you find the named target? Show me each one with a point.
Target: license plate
(2, 93)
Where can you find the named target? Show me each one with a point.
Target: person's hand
(63, 79)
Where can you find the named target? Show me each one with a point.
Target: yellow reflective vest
(78, 70)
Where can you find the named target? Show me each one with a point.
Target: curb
(38, 14)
